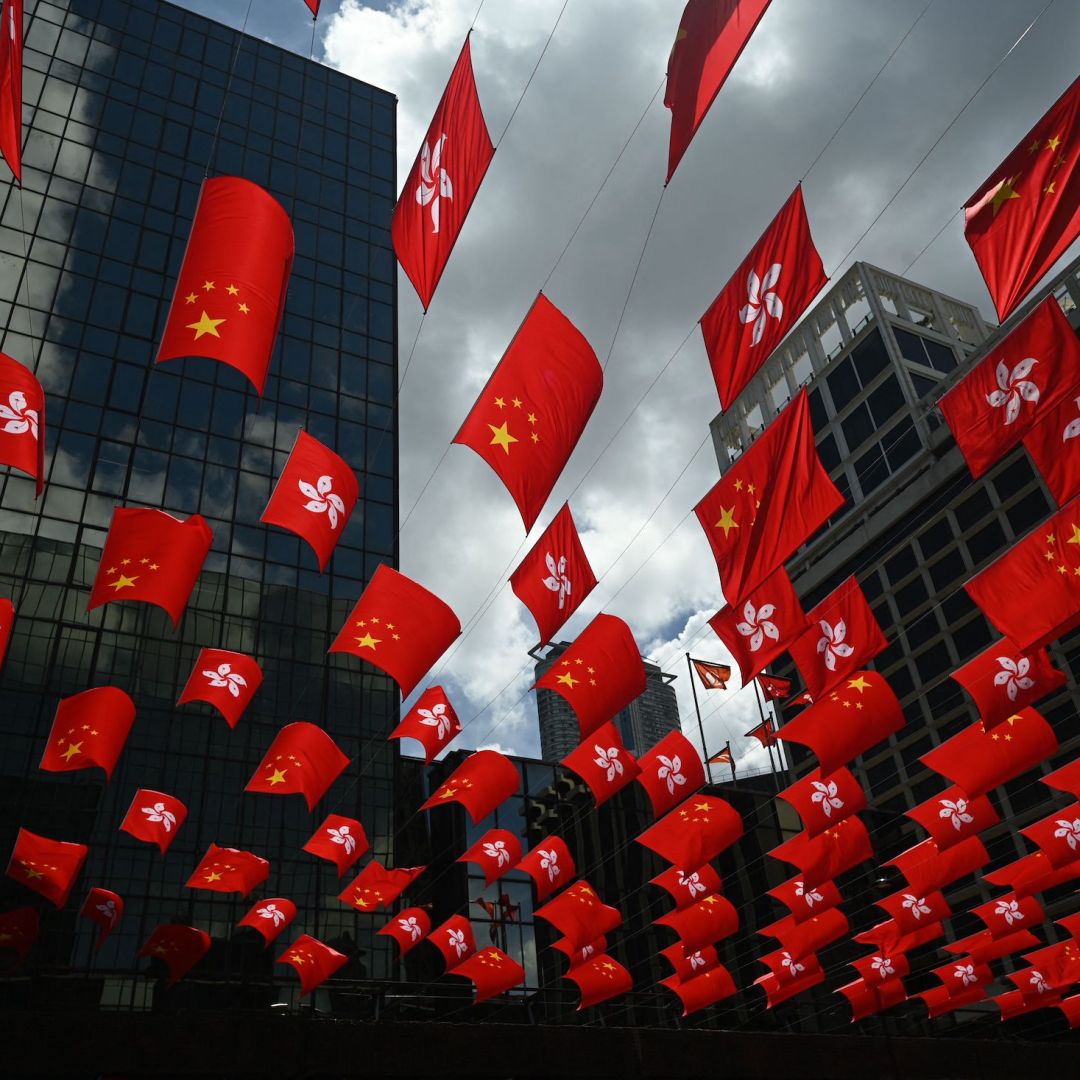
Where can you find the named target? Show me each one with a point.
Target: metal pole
(701, 727)
(768, 731)
(731, 759)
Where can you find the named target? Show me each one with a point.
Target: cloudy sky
(807, 65)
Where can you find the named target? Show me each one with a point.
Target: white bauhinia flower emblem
(811, 896)
(956, 811)
(411, 927)
(1014, 388)
(609, 761)
(883, 965)
(438, 718)
(225, 676)
(696, 960)
(965, 973)
(761, 301)
(917, 905)
(1014, 675)
(1010, 911)
(273, 913)
(343, 835)
(1072, 428)
(832, 644)
(558, 582)
(1069, 831)
(109, 910)
(158, 813)
(435, 182)
(457, 941)
(549, 861)
(825, 794)
(691, 882)
(322, 500)
(670, 769)
(587, 951)
(1038, 980)
(496, 849)
(757, 626)
(793, 966)
(18, 418)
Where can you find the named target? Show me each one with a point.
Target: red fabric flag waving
(722, 758)
(1055, 449)
(951, 817)
(153, 557)
(712, 34)
(882, 967)
(1059, 964)
(19, 930)
(695, 833)
(868, 999)
(765, 734)
(599, 979)
(89, 729)
(530, 415)
(961, 974)
(763, 300)
(913, 910)
(712, 676)
(1004, 679)
(11, 43)
(579, 914)
(106, 908)
(794, 977)
(599, 674)
(7, 622)
(555, 577)
(483, 781)
(688, 966)
(398, 626)
(339, 840)
(550, 865)
(314, 5)
(688, 888)
(939, 1002)
(313, 961)
(670, 772)
(829, 855)
(492, 972)
(270, 917)
(808, 936)
(496, 853)
(443, 181)
(804, 903)
(1067, 778)
(408, 928)
(603, 763)
(700, 991)
(432, 722)
(376, 886)
(302, 758)
(768, 502)
(1028, 211)
(22, 409)
(926, 869)
(1057, 835)
(228, 870)
(821, 803)
(773, 687)
(47, 867)
(708, 921)
(226, 680)
(154, 817)
(1008, 914)
(231, 290)
(455, 940)
(178, 947)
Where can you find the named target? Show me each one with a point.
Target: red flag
(603, 763)
(1053, 446)
(599, 674)
(550, 865)
(821, 803)
(1033, 874)
(765, 734)
(153, 557)
(89, 729)
(703, 923)
(712, 676)
(553, 580)
(22, 400)
(913, 910)
(432, 722)
(1027, 212)
(154, 817)
(443, 182)
(888, 937)
(376, 886)
(825, 857)
(398, 626)
(983, 947)
(1013, 1003)
(712, 34)
(1004, 679)
(178, 947)
(340, 840)
(314, 5)
(722, 758)
(688, 965)
(230, 293)
(773, 687)
(768, 502)
(977, 760)
(579, 914)
(701, 991)
(455, 940)
(848, 722)
(806, 937)
(104, 907)
(228, 870)
(492, 972)
(670, 772)
(226, 680)
(1057, 835)
(496, 853)
(868, 999)
(1067, 778)
(1008, 914)
(800, 975)
(313, 961)
(804, 903)
(11, 43)
(579, 956)
(952, 817)
(19, 930)
(844, 636)
(688, 888)
(882, 967)
(1070, 924)
(1059, 964)
(270, 917)
(302, 758)
(1070, 1009)
(599, 979)
(939, 1002)
(695, 833)
(483, 781)
(47, 867)
(7, 622)
(926, 869)
(761, 627)
(764, 299)
(408, 928)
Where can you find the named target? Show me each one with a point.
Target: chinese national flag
(579, 956)
(1059, 964)
(700, 991)
(977, 760)
(854, 717)
(821, 803)
(708, 921)
(768, 502)
(758, 629)
(694, 833)
(314, 496)
(797, 976)
(408, 928)
(868, 999)
(104, 907)
(22, 407)
(603, 763)
(339, 840)
(764, 299)
(843, 637)
(47, 867)
(11, 80)
(599, 674)
(804, 903)
(483, 781)
(530, 415)
(269, 918)
(912, 911)
(765, 734)
(579, 914)
(1070, 1009)
(432, 722)
(496, 853)
(688, 887)
(1004, 679)
(1008, 914)
(178, 947)
(231, 290)
(882, 967)
(19, 930)
(302, 758)
(226, 680)
(443, 182)
(455, 940)
(825, 857)
(1033, 370)
(153, 557)
(686, 966)
(89, 729)
(712, 676)
(1027, 212)
(926, 869)
(555, 577)
(155, 818)
(398, 626)
(951, 817)
(492, 972)
(983, 947)
(599, 979)
(888, 937)
(670, 772)
(712, 34)
(1057, 835)
(228, 870)
(7, 621)
(550, 865)
(376, 886)
(313, 961)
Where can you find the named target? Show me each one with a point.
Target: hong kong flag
(178, 947)
(340, 840)
(1004, 679)
(89, 729)
(47, 867)
(496, 853)
(1008, 914)
(773, 687)
(688, 887)
(599, 979)
(687, 966)
(868, 999)
(455, 940)
(270, 917)
(313, 961)
(302, 758)
(712, 676)
(821, 803)
(694, 833)
(555, 577)
(926, 869)
(599, 674)
(530, 415)
(790, 977)
(765, 734)
(703, 923)
(408, 928)
(550, 865)
(1057, 835)
(1053, 445)
(11, 42)
(22, 401)
(443, 182)
(804, 903)
(226, 680)
(586, 952)
(1059, 964)
(670, 772)
(104, 907)
(825, 857)
(432, 722)
(912, 910)
(952, 817)
(492, 972)
(154, 817)
(603, 763)
(314, 496)
(7, 622)
(376, 886)
(882, 967)
(483, 781)
(768, 502)
(228, 870)
(579, 914)
(230, 294)
(19, 930)
(700, 991)
(398, 626)
(153, 557)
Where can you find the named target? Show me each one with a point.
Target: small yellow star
(31, 873)
(501, 437)
(124, 562)
(367, 642)
(232, 290)
(390, 626)
(738, 485)
(1049, 556)
(500, 403)
(1049, 189)
(516, 402)
(567, 680)
(154, 566)
(1051, 539)
(1063, 569)
(72, 750)
(205, 325)
(531, 418)
(123, 582)
(859, 684)
(208, 285)
(278, 777)
(1035, 144)
(243, 308)
(191, 298)
(535, 438)
(727, 521)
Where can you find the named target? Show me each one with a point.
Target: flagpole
(731, 759)
(701, 726)
(768, 731)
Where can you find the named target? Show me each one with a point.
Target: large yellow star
(213, 876)
(278, 777)
(859, 684)
(1054, 143)
(1004, 193)
(72, 750)
(31, 873)
(123, 582)
(727, 520)
(367, 642)
(1075, 538)
(205, 325)
(702, 806)
(501, 437)
(567, 680)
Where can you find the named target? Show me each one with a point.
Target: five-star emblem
(567, 680)
(123, 582)
(277, 777)
(367, 642)
(727, 520)
(1004, 193)
(500, 436)
(205, 325)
